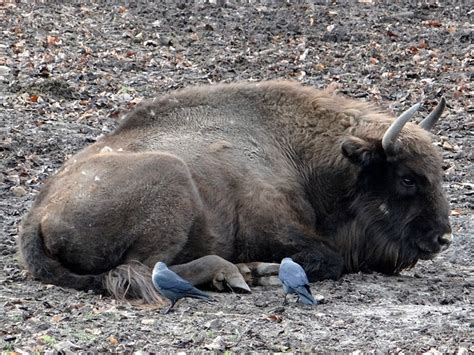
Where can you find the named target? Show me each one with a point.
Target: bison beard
(247, 173)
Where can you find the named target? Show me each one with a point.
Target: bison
(219, 180)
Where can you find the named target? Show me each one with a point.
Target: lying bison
(211, 176)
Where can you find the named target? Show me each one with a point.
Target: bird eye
(408, 181)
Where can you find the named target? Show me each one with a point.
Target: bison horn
(390, 136)
(434, 116)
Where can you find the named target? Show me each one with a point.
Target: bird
(294, 280)
(174, 287)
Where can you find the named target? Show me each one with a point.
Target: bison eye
(408, 181)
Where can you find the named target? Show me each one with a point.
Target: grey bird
(294, 280)
(174, 287)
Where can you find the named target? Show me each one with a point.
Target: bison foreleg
(320, 263)
(213, 269)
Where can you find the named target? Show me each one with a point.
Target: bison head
(400, 212)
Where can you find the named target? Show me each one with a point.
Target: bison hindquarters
(101, 217)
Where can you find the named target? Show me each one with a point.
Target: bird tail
(196, 293)
(305, 296)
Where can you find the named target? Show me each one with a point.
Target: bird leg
(169, 308)
(285, 301)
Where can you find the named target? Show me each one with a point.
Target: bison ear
(359, 151)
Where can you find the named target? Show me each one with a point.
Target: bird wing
(292, 274)
(168, 280)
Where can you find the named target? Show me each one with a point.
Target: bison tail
(132, 280)
(47, 269)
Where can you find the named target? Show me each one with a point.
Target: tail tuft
(132, 280)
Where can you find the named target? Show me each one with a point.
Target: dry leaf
(86, 50)
(113, 340)
(457, 94)
(452, 29)
(432, 23)
(275, 318)
(447, 146)
(57, 318)
(34, 98)
(122, 9)
(455, 212)
(18, 47)
(53, 40)
(391, 34)
(422, 44)
(319, 66)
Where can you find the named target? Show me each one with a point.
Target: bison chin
(386, 247)
(374, 244)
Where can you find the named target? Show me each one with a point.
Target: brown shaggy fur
(248, 172)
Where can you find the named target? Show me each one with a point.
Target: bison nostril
(445, 239)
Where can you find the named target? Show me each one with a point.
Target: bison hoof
(260, 274)
(230, 279)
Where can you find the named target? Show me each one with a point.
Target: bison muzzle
(217, 181)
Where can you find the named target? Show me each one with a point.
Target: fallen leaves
(85, 68)
(456, 212)
(29, 98)
(53, 41)
(452, 29)
(391, 34)
(422, 44)
(113, 340)
(448, 146)
(57, 318)
(277, 318)
(460, 90)
(19, 46)
(432, 23)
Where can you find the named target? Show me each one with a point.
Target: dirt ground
(68, 72)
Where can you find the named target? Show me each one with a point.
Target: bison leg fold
(212, 269)
(260, 274)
